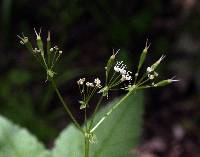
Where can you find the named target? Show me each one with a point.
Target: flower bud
(49, 47)
(156, 64)
(143, 56)
(165, 82)
(39, 41)
(25, 41)
(111, 62)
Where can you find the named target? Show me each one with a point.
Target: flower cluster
(121, 68)
(87, 90)
(151, 73)
(117, 74)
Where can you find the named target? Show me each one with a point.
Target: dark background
(87, 31)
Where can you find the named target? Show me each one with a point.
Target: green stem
(85, 118)
(65, 106)
(115, 80)
(111, 78)
(111, 110)
(95, 111)
(87, 145)
(143, 77)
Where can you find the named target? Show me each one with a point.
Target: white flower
(128, 77)
(151, 77)
(89, 84)
(97, 81)
(81, 81)
(37, 50)
(123, 78)
(51, 49)
(56, 47)
(116, 68)
(122, 71)
(121, 68)
(149, 69)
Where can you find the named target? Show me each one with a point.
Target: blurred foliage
(15, 141)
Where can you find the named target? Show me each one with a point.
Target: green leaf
(18, 142)
(120, 132)
(69, 143)
(116, 137)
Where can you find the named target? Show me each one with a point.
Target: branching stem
(65, 106)
(87, 145)
(95, 111)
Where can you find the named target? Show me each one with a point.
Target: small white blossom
(149, 69)
(151, 77)
(51, 49)
(89, 84)
(116, 69)
(81, 81)
(122, 71)
(97, 81)
(120, 67)
(123, 78)
(21, 42)
(37, 50)
(128, 77)
(56, 47)
(60, 52)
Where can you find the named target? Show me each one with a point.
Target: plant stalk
(87, 145)
(65, 106)
(95, 111)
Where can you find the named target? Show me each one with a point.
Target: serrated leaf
(116, 136)
(18, 142)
